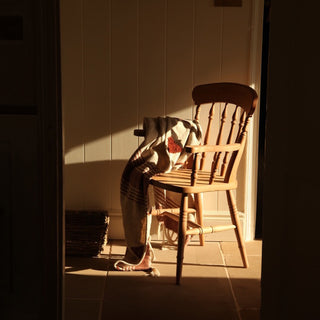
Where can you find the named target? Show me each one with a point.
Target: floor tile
(236, 269)
(250, 314)
(79, 286)
(208, 287)
(159, 298)
(246, 282)
(247, 293)
(193, 253)
(86, 265)
(252, 247)
(204, 288)
(200, 260)
(82, 309)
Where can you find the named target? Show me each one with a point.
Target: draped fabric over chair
(162, 150)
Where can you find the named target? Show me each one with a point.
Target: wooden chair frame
(226, 158)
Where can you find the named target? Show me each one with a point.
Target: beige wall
(126, 59)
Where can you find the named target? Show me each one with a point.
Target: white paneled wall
(123, 60)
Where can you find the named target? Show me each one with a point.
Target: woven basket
(86, 232)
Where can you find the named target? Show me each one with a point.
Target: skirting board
(210, 219)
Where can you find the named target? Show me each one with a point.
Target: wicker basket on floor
(85, 232)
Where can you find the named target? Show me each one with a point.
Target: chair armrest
(139, 132)
(213, 148)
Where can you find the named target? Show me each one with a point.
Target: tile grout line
(82, 299)
(104, 287)
(229, 281)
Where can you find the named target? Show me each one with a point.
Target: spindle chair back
(215, 161)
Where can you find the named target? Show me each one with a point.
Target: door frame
(51, 150)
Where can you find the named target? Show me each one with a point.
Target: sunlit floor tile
(209, 288)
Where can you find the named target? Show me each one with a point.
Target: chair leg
(235, 220)
(199, 207)
(181, 235)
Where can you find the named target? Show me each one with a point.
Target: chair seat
(180, 181)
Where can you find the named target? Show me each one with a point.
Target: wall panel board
(96, 70)
(179, 58)
(207, 66)
(151, 91)
(124, 77)
(72, 66)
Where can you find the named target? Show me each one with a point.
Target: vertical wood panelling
(96, 126)
(235, 67)
(124, 95)
(124, 68)
(236, 43)
(207, 66)
(96, 110)
(72, 79)
(123, 60)
(151, 58)
(207, 61)
(179, 57)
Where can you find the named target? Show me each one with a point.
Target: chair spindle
(207, 135)
(196, 117)
(241, 124)
(195, 168)
(217, 156)
(225, 159)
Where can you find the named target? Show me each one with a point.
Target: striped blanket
(161, 151)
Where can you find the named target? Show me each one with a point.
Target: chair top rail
(238, 94)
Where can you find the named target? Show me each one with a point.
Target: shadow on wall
(93, 185)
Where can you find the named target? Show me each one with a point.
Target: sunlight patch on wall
(124, 143)
(92, 151)
(118, 146)
(74, 155)
(183, 113)
(98, 150)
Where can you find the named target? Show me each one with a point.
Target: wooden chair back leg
(235, 220)
(199, 206)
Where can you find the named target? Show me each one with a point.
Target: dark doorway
(262, 120)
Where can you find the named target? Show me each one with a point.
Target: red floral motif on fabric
(173, 147)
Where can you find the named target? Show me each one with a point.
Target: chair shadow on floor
(106, 263)
(100, 263)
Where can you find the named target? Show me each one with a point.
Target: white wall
(126, 59)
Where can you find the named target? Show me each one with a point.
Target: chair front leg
(199, 208)
(182, 235)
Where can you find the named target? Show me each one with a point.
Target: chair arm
(213, 148)
(139, 132)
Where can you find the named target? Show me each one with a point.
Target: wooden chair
(230, 107)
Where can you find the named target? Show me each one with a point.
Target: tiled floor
(214, 285)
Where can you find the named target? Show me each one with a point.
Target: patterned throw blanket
(161, 151)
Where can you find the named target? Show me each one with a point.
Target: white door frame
(253, 136)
